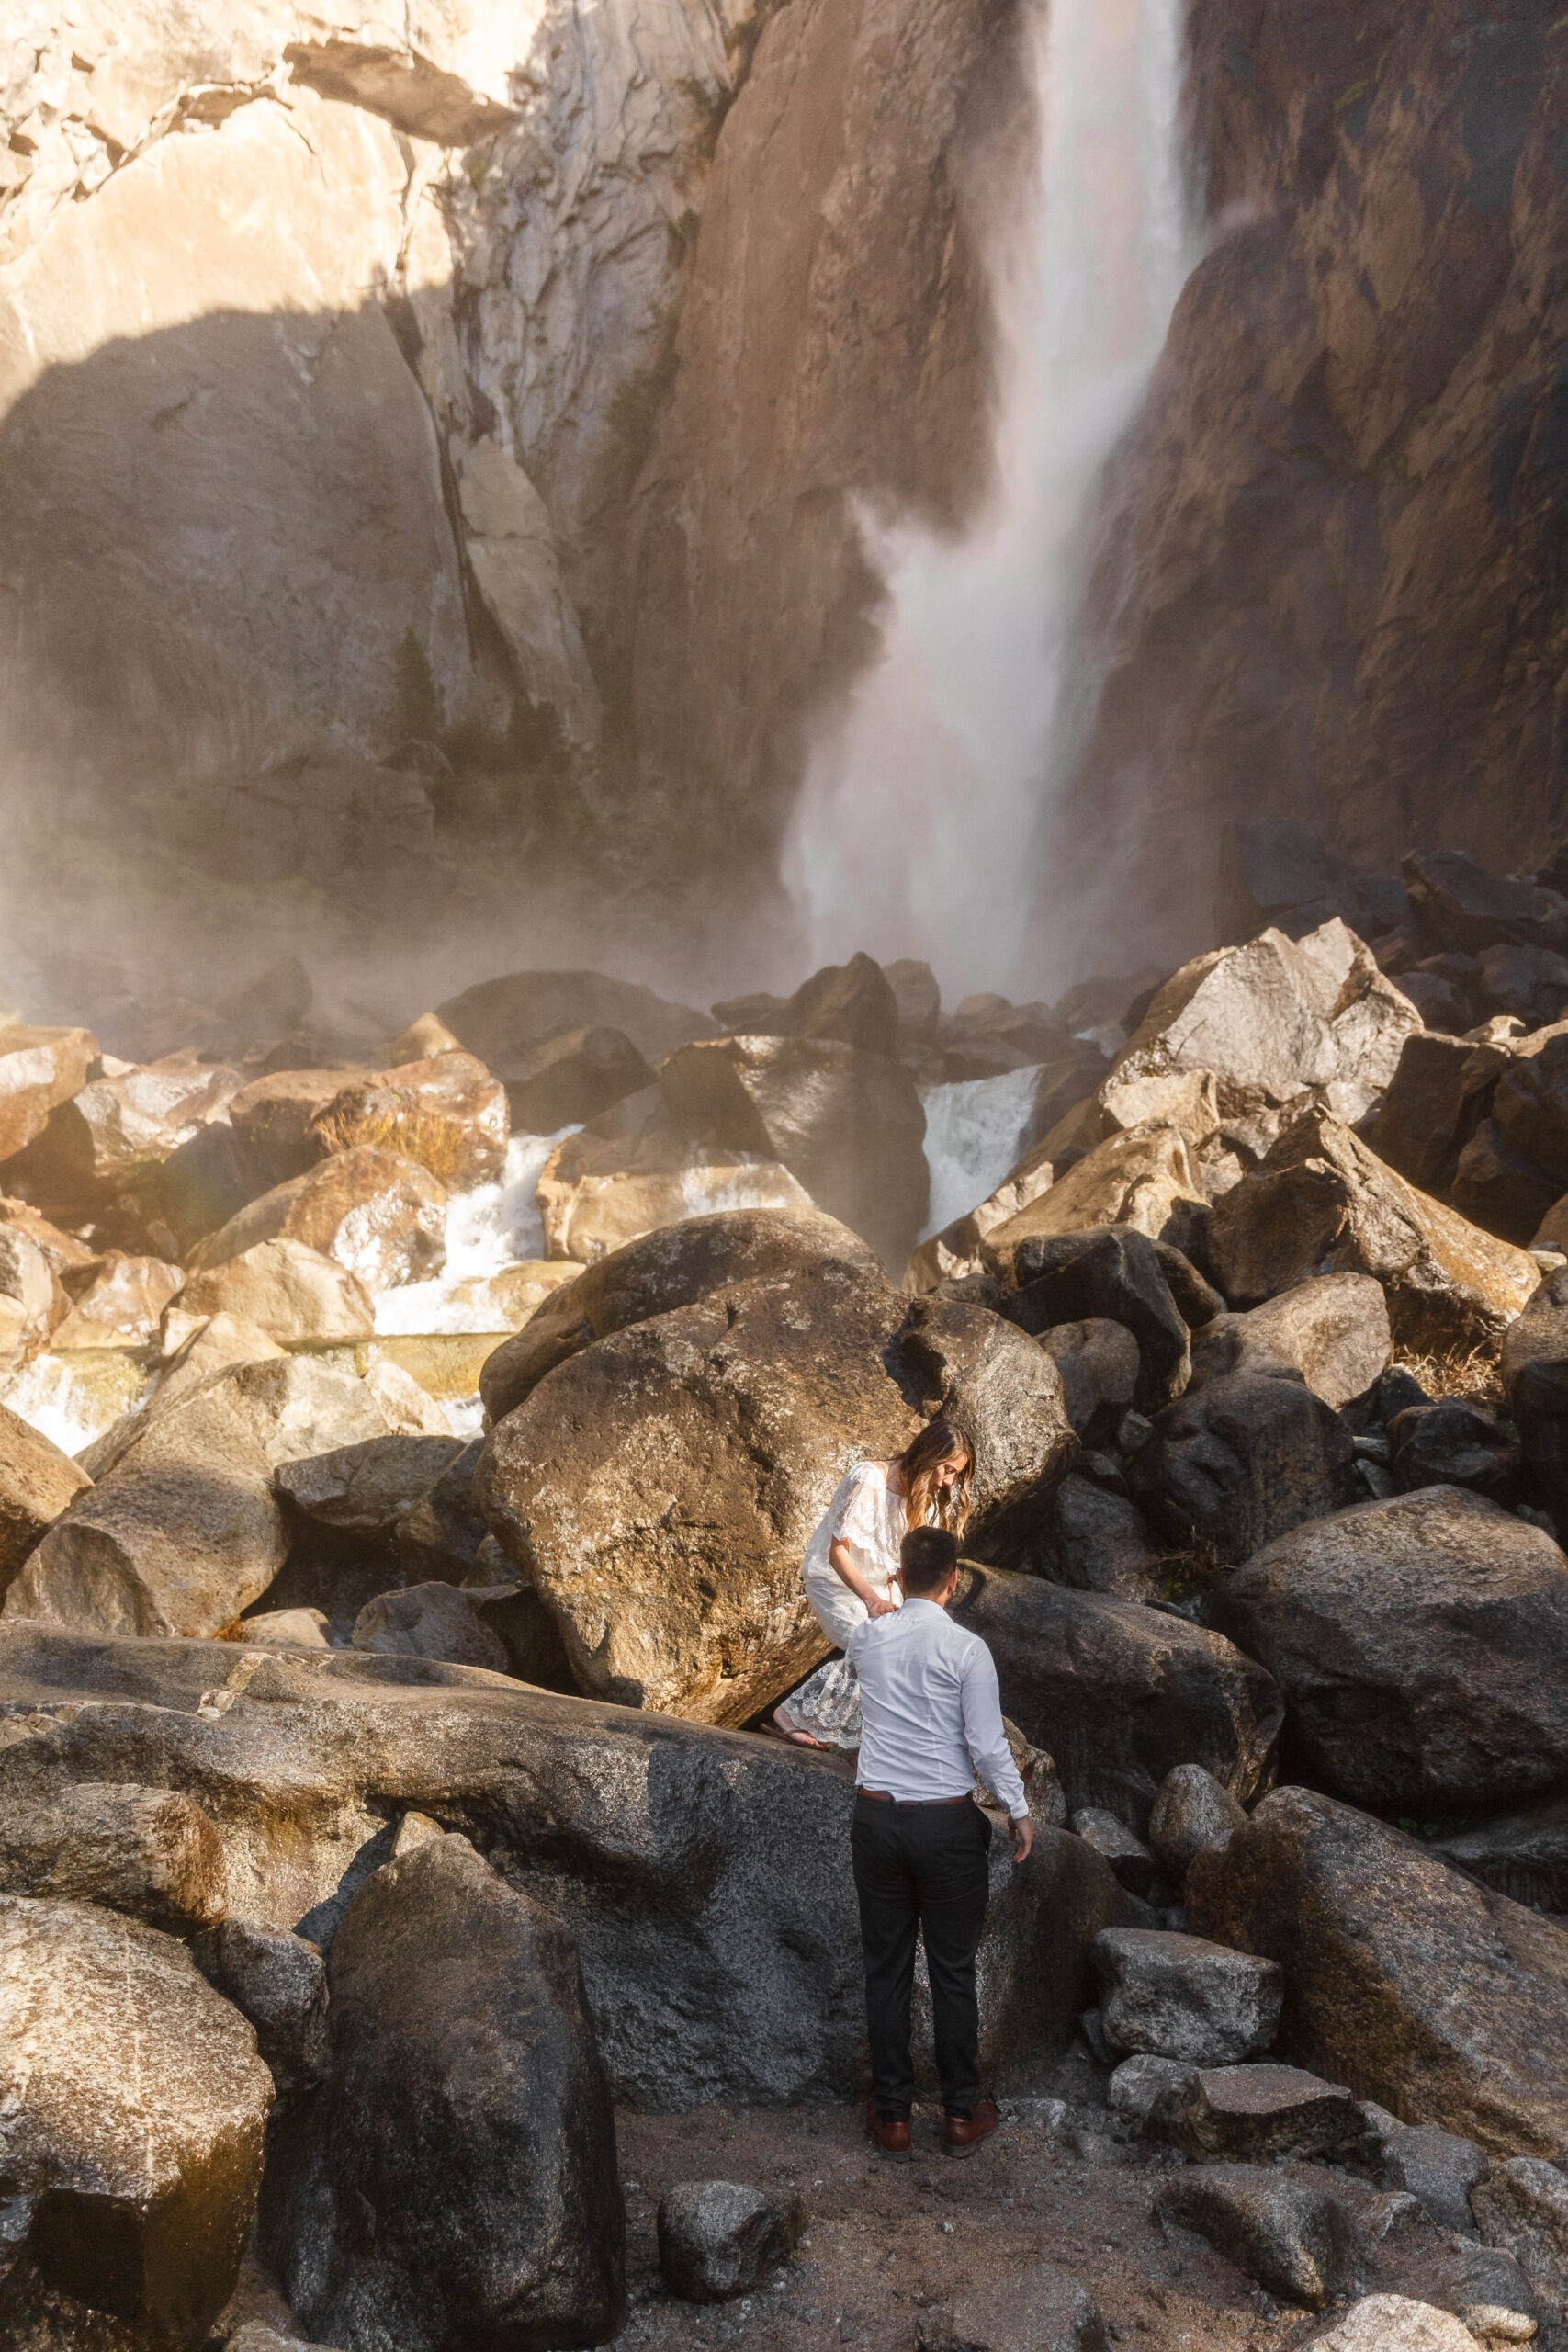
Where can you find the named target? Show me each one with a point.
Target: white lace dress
(869, 1519)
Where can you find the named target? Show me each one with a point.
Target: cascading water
(923, 794)
(976, 1131)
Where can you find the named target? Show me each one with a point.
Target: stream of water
(923, 792)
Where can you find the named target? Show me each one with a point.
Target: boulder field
(408, 1777)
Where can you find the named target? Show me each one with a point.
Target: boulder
(1191, 1813)
(134, 2107)
(1418, 1988)
(500, 1019)
(1454, 1444)
(1333, 1330)
(848, 1124)
(513, 1295)
(1187, 1099)
(149, 1851)
(1279, 1015)
(379, 1215)
(1004, 1391)
(1095, 1539)
(1118, 1692)
(1522, 1855)
(32, 1302)
(1139, 2082)
(1256, 2115)
(1131, 1864)
(1179, 1997)
(442, 1528)
(272, 1120)
(1275, 869)
(197, 1346)
(1530, 983)
(435, 1621)
(1322, 1203)
(1457, 905)
(1395, 2323)
(1437, 1098)
(1099, 1364)
(38, 1069)
(1109, 1274)
(122, 1305)
(1535, 1377)
(288, 1407)
(1290, 2231)
(917, 995)
(279, 1982)
(443, 1113)
(369, 1487)
(1043, 2309)
(306, 1628)
(853, 1002)
(1146, 1179)
(1438, 2169)
(37, 1482)
(407, 1407)
(573, 1075)
(1420, 1643)
(597, 1193)
(1521, 2204)
(1499, 1187)
(427, 1035)
(469, 2109)
(660, 1487)
(119, 1130)
(1248, 1457)
(718, 2239)
(288, 1291)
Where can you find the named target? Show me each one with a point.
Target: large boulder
(1099, 1364)
(38, 1069)
(1277, 1016)
(1112, 1274)
(853, 1002)
(1441, 2001)
(273, 1119)
(149, 1851)
(1004, 1391)
(1418, 1642)
(1322, 1203)
(132, 2110)
(1333, 1330)
(469, 2111)
(1247, 1457)
(1179, 1996)
(660, 1487)
(1119, 1693)
(500, 1019)
(286, 1289)
(37, 1481)
(661, 1843)
(1437, 1098)
(367, 1488)
(378, 1213)
(1095, 1539)
(674, 1268)
(444, 1112)
(848, 1124)
(1535, 1375)
(117, 1130)
(598, 1192)
(573, 1075)
(1147, 1179)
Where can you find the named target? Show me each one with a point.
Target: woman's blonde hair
(924, 1505)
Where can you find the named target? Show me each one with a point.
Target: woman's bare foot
(785, 1730)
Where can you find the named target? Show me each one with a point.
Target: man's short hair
(927, 1558)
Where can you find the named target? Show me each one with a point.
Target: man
(931, 1720)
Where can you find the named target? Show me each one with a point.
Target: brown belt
(917, 1805)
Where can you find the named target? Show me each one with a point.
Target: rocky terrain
(412, 1937)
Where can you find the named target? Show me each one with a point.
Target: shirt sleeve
(854, 1519)
(983, 1733)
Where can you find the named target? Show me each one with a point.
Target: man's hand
(1022, 1832)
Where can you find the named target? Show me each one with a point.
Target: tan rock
(380, 1215)
(197, 1345)
(287, 1289)
(506, 1300)
(37, 1481)
(1140, 1178)
(127, 1301)
(407, 1409)
(1187, 1099)
(596, 1195)
(423, 1038)
(1322, 1203)
(443, 1111)
(366, 1488)
(302, 1628)
(1334, 1330)
(500, 1019)
(151, 1852)
(273, 1117)
(32, 1303)
(956, 1251)
(65, 1252)
(39, 1068)
(660, 1487)
(117, 1126)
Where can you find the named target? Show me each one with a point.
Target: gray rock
(367, 1489)
(571, 1075)
(1257, 2114)
(438, 1621)
(1046, 2309)
(1244, 1459)
(1104, 1274)
(1535, 1375)
(1119, 1693)
(1129, 1858)
(1139, 2081)
(1521, 1855)
(151, 1852)
(1099, 1362)
(1094, 1538)
(279, 1981)
(1287, 2230)
(1454, 1444)
(1191, 1813)
(1333, 1330)
(133, 2107)
(1394, 2324)
(1521, 2205)
(442, 1533)
(1437, 2168)
(1181, 1996)
(718, 2239)
(469, 2110)
(1422, 1643)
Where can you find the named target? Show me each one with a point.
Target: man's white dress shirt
(931, 1714)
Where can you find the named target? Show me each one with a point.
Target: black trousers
(921, 1865)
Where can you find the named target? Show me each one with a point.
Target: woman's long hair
(924, 1505)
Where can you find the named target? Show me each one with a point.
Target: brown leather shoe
(960, 2137)
(890, 2134)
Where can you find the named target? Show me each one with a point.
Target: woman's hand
(876, 1605)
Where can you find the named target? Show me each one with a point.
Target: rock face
(1402, 1979)
(1119, 1693)
(1417, 1642)
(1299, 365)
(134, 2107)
(660, 1487)
(494, 2186)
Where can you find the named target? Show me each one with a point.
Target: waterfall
(923, 789)
(488, 1227)
(975, 1132)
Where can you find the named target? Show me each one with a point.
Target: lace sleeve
(854, 1517)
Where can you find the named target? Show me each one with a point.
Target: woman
(852, 1566)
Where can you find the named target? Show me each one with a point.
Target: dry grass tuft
(443, 1146)
(1474, 1373)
